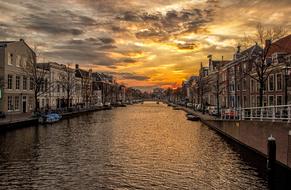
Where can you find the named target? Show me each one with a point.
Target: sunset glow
(157, 43)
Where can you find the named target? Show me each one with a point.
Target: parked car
(199, 107)
(229, 113)
(107, 104)
(189, 105)
(99, 104)
(212, 110)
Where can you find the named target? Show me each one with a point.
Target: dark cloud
(57, 22)
(78, 55)
(161, 27)
(107, 40)
(129, 16)
(107, 47)
(152, 33)
(187, 45)
(128, 60)
(129, 76)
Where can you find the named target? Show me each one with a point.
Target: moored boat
(176, 108)
(49, 118)
(192, 117)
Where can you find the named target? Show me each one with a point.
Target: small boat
(192, 117)
(49, 118)
(176, 108)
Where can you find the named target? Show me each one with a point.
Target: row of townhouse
(236, 83)
(57, 85)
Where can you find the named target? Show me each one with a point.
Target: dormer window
(278, 57)
(18, 60)
(10, 58)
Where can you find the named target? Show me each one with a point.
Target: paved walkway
(15, 118)
(199, 114)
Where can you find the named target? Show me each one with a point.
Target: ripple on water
(145, 146)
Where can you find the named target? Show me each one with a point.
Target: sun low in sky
(145, 44)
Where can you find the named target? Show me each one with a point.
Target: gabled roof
(251, 50)
(281, 45)
(3, 43)
(81, 73)
(221, 63)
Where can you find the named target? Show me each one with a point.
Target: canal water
(144, 146)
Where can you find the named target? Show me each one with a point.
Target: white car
(99, 104)
(189, 105)
(107, 104)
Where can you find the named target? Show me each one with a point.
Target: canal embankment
(13, 122)
(253, 134)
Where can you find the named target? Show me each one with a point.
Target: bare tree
(262, 34)
(37, 74)
(260, 65)
(67, 81)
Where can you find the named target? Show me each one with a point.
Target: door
(24, 104)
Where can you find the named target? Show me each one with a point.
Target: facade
(16, 88)
(86, 84)
(61, 81)
(237, 83)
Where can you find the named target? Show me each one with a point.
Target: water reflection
(145, 146)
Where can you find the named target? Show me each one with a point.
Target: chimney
(221, 58)
(21, 40)
(268, 43)
(238, 48)
(77, 66)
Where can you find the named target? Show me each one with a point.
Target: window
(45, 85)
(271, 100)
(245, 102)
(238, 101)
(279, 81)
(17, 86)
(31, 84)
(10, 58)
(253, 85)
(10, 103)
(244, 67)
(24, 83)
(265, 101)
(253, 101)
(23, 62)
(238, 85)
(244, 84)
(10, 81)
(42, 102)
(18, 60)
(16, 102)
(258, 100)
(58, 88)
(279, 100)
(271, 82)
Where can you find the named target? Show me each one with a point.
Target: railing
(270, 113)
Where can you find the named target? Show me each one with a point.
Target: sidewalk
(15, 118)
(197, 113)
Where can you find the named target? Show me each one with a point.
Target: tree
(67, 81)
(260, 65)
(218, 88)
(262, 34)
(37, 74)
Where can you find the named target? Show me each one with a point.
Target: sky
(143, 43)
